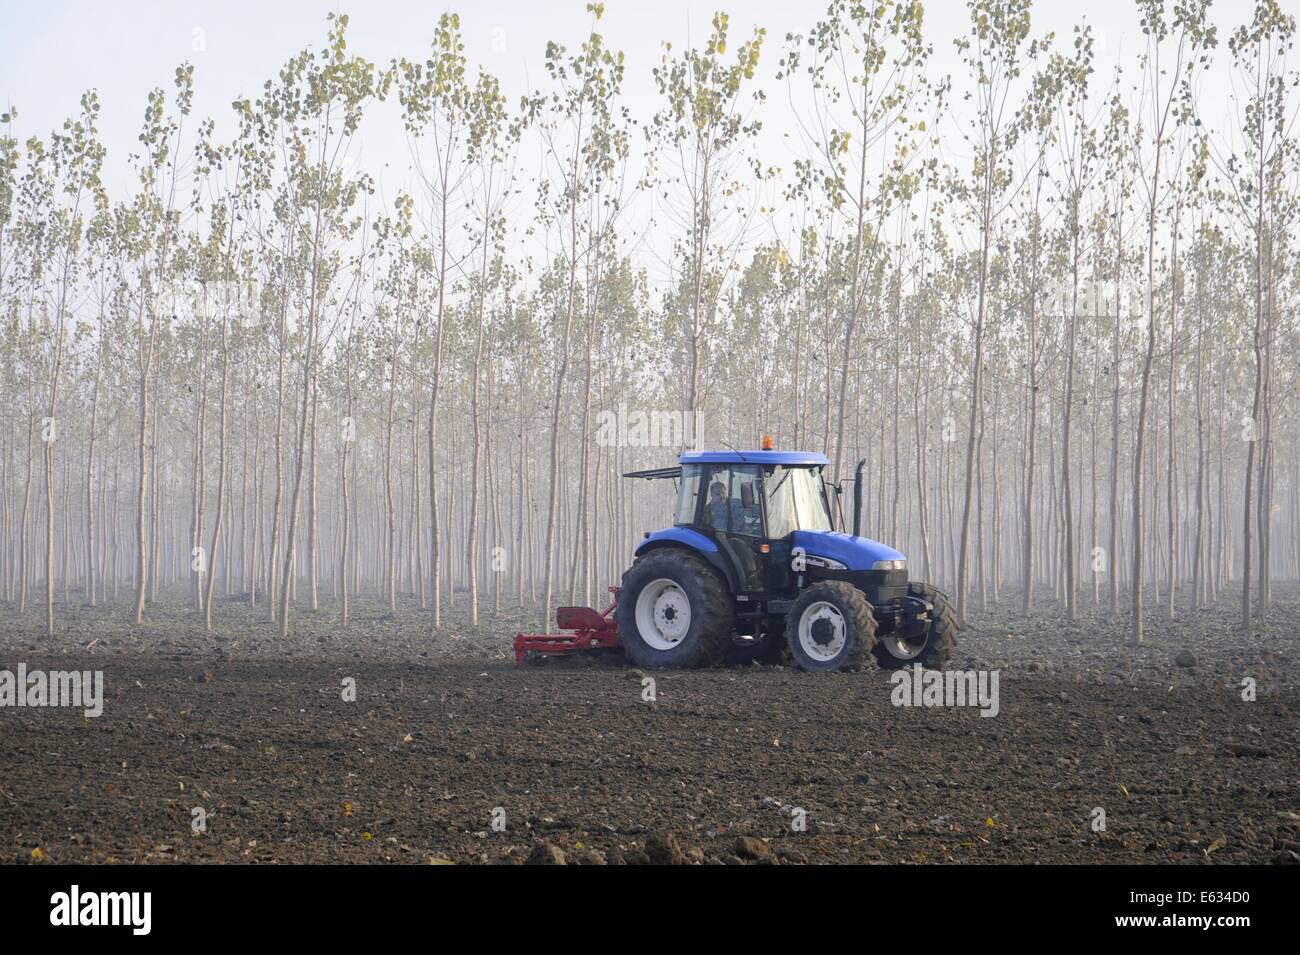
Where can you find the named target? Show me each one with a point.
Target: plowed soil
(450, 752)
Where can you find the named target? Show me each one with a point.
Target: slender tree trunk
(213, 551)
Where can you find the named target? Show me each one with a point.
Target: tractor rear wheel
(830, 627)
(674, 610)
(935, 646)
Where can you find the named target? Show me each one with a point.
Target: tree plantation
(1052, 306)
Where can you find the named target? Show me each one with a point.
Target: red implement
(589, 630)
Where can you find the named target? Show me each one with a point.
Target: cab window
(732, 502)
(795, 501)
(689, 493)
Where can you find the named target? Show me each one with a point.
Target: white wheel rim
(663, 614)
(901, 649)
(822, 633)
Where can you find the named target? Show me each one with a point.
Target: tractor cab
(750, 504)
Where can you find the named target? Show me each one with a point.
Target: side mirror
(747, 494)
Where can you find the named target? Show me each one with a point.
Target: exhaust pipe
(857, 498)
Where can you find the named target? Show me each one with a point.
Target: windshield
(795, 501)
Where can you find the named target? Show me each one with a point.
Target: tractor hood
(855, 553)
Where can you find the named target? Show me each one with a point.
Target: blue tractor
(754, 569)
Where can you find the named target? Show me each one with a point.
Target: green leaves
(702, 90)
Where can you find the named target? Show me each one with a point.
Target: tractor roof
(788, 458)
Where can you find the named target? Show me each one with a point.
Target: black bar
(654, 474)
(218, 904)
(857, 498)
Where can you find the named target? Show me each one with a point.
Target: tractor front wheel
(933, 646)
(830, 627)
(674, 611)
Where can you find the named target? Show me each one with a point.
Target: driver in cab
(729, 514)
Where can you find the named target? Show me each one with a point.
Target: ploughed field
(450, 752)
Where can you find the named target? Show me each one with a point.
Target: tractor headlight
(889, 565)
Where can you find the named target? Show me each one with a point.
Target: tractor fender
(677, 535)
(688, 539)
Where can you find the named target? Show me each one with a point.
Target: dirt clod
(1245, 749)
(546, 853)
(662, 849)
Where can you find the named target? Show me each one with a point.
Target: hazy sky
(51, 51)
